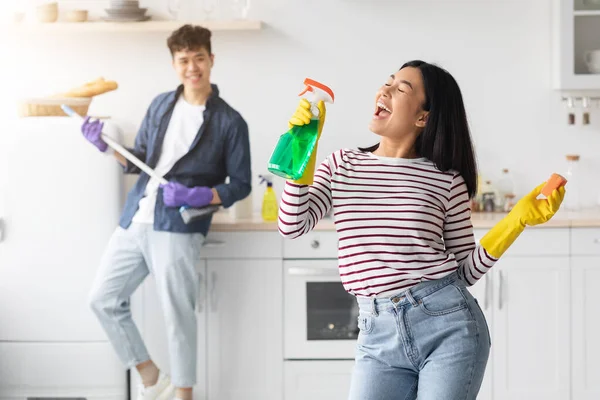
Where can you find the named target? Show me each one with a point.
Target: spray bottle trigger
(264, 179)
(306, 89)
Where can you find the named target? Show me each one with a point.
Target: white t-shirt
(181, 132)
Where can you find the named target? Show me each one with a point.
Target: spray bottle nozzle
(319, 91)
(264, 179)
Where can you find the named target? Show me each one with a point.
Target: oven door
(320, 317)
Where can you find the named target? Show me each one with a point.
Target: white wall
(498, 50)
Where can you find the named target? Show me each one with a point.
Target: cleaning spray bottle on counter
(270, 207)
(294, 148)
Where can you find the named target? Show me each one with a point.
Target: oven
(320, 317)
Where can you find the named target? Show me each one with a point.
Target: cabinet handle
(213, 291)
(1, 230)
(315, 244)
(500, 289)
(486, 300)
(200, 294)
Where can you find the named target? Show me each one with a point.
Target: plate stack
(125, 11)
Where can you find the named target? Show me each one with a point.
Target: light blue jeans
(429, 342)
(172, 259)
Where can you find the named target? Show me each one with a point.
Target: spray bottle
(270, 207)
(294, 148)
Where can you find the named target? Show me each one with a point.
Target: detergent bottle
(270, 207)
(294, 148)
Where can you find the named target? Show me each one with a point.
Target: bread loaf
(91, 89)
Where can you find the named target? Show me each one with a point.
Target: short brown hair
(190, 37)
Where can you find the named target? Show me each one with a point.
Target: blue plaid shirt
(221, 149)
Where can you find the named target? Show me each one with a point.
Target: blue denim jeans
(429, 342)
(172, 258)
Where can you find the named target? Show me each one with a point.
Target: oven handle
(321, 271)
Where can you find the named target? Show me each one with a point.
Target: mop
(188, 214)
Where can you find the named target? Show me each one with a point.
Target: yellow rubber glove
(528, 211)
(302, 116)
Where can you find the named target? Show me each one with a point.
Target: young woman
(406, 245)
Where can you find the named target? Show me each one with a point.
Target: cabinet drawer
(585, 241)
(316, 244)
(61, 370)
(317, 380)
(248, 244)
(537, 242)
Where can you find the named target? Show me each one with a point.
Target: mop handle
(119, 149)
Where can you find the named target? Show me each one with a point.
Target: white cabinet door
(531, 328)
(317, 380)
(245, 329)
(482, 291)
(575, 25)
(151, 323)
(586, 327)
(59, 205)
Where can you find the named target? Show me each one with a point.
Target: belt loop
(374, 307)
(410, 298)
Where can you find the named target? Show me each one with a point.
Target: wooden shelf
(145, 26)
(594, 13)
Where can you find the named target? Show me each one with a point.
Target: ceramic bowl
(47, 12)
(77, 16)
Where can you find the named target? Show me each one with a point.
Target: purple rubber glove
(92, 131)
(176, 195)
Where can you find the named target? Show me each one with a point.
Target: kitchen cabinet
(57, 213)
(239, 313)
(525, 298)
(318, 380)
(576, 31)
(482, 291)
(531, 329)
(586, 328)
(245, 349)
(539, 302)
(585, 269)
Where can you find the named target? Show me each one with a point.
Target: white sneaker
(162, 390)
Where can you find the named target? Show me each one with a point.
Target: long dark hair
(445, 140)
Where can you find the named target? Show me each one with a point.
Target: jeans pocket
(365, 322)
(444, 301)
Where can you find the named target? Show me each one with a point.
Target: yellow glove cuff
(502, 235)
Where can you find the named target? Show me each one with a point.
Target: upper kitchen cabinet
(576, 42)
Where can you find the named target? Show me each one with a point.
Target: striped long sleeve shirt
(399, 221)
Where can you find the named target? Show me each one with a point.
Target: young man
(196, 140)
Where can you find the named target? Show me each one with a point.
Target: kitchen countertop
(223, 222)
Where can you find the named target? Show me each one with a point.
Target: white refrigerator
(60, 201)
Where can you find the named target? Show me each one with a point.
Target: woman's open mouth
(382, 111)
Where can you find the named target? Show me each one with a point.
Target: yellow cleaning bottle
(270, 207)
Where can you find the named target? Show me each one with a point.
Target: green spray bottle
(294, 148)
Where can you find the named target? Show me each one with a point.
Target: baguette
(91, 89)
